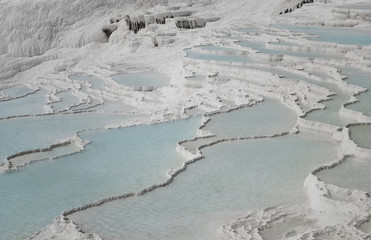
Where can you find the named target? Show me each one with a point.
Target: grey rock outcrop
(109, 29)
(190, 23)
(297, 5)
(135, 23)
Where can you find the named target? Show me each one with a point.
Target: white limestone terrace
(21, 159)
(70, 40)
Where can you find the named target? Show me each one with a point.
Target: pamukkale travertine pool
(216, 189)
(128, 152)
(116, 161)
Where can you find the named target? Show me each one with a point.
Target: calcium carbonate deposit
(170, 119)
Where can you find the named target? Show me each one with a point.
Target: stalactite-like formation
(135, 23)
(299, 5)
(190, 23)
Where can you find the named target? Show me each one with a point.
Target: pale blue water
(47, 155)
(17, 91)
(68, 100)
(247, 122)
(361, 135)
(250, 44)
(327, 34)
(143, 79)
(271, 114)
(364, 105)
(357, 175)
(260, 47)
(90, 86)
(28, 105)
(117, 161)
(362, 79)
(331, 114)
(98, 102)
(21, 134)
(250, 30)
(233, 179)
(202, 199)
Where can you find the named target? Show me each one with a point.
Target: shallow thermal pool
(327, 34)
(67, 100)
(362, 79)
(28, 133)
(331, 113)
(28, 105)
(250, 30)
(235, 177)
(216, 48)
(262, 48)
(353, 174)
(17, 91)
(361, 135)
(115, 162)
(249, 121)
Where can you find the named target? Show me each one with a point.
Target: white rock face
(63, 229)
